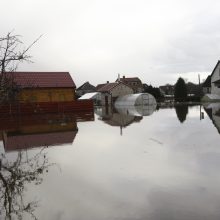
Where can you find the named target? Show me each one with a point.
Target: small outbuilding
(43, 86)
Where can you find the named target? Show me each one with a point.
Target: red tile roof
(207, 82)
(42, 79)
(99, 86)
(130, 79)
(107, 87)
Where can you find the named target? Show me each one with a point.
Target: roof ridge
(42, 79)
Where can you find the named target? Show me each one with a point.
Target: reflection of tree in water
(181, 112)
(13, 179)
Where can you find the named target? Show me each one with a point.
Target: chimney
(118, 77)
(123, 77)
(107, 81)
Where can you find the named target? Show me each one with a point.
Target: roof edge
(215, 68)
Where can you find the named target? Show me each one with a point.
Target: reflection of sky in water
(158, 169)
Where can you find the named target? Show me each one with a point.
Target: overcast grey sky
(156, 40)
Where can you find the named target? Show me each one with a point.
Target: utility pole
(200, 89)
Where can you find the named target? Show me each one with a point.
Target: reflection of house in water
(213, 111)
(27, 131)
(123, 116)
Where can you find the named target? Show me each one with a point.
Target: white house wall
(103, 99)
(215, 76)
(121, 90)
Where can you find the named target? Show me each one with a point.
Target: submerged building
(43, 86)
(111, 91)
(133, 82)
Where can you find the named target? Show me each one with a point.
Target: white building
(115, 90)
(206, 86)
(215, 80)
(215, 85)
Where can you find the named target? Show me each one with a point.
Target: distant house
(85, 88)
(194, 89)
(167, 90)
(206, 86)
(145, 87)
(43, 86)
(215, 79)
(112, 91)
(133, 82)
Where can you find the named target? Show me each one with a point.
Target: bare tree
(14, 176)
(12, 52)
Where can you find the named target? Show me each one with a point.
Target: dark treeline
(155, 91)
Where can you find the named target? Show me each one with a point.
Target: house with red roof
(133, 82)
(111, 91)
(43, 86)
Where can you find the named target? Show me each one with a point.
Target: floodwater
(129, 164)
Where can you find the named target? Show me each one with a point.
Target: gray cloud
(95, 40)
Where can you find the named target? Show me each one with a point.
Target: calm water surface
(121, 166)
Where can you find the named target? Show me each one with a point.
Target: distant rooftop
(86, 86)
(207, 82)
(129, 79)
(107, 87)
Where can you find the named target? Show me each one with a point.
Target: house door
(106, 100)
